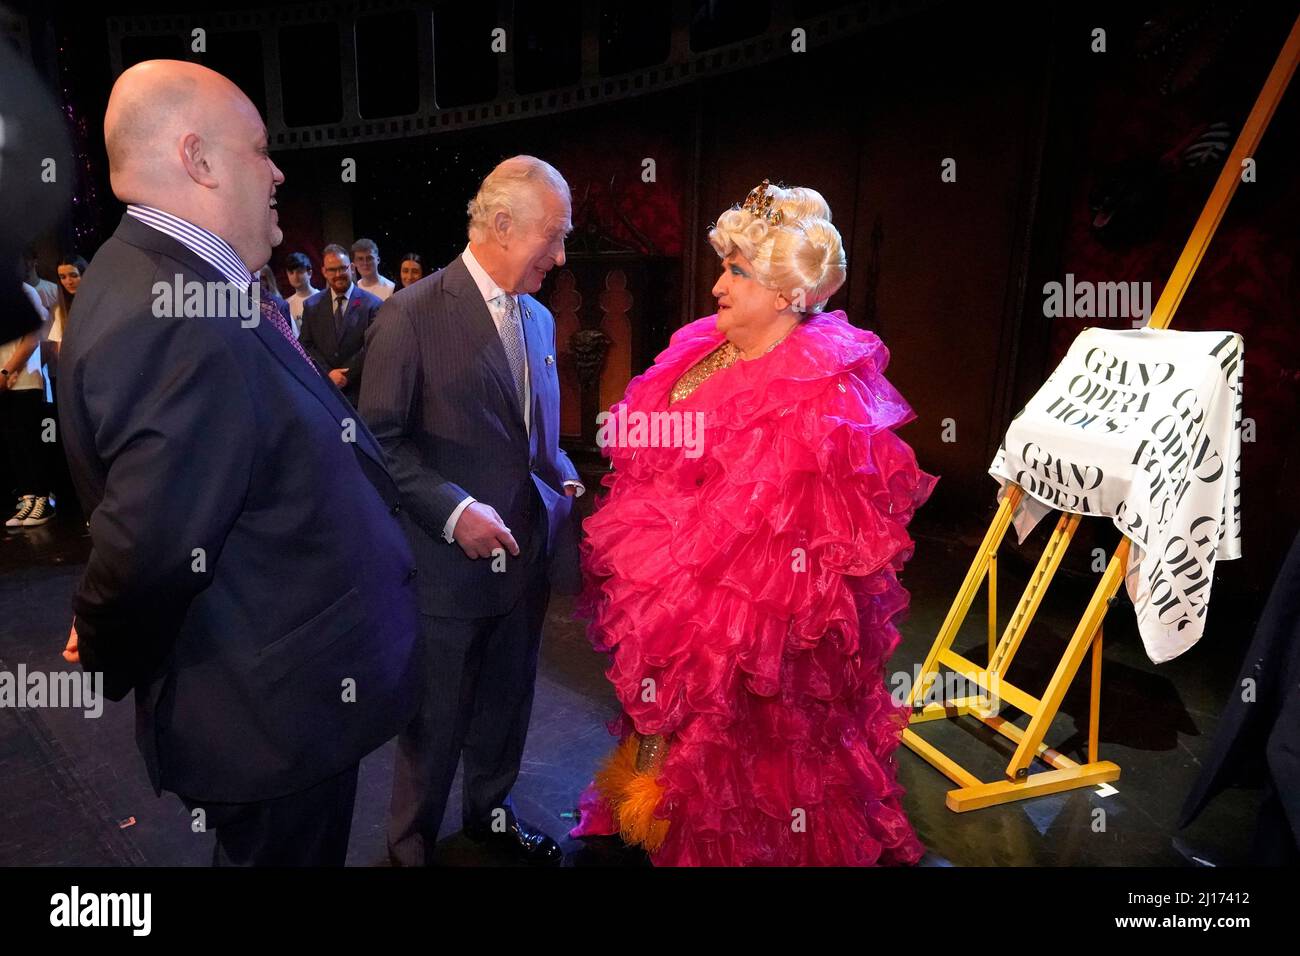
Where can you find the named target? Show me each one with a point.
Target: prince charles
(461, 391)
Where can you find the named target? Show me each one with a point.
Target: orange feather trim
(633, 797)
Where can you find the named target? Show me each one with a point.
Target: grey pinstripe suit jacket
(439, 397)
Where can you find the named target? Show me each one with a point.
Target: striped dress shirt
(217, 253)
(208, 246)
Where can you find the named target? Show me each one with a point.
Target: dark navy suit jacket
(330, 350)
(440, 398)
(248, 576)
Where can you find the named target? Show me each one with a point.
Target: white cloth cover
(1142, 426)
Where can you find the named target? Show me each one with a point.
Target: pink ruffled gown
(756, 588)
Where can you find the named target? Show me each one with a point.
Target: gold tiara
(759, 203)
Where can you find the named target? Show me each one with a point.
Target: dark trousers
(308, 828)
(22, 415)
(478, 697)
(1276, 843)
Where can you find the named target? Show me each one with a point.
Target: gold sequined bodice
(722, 357)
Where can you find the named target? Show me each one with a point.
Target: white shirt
(55, 325)
(29, 376)
(48, 292)
(53, 333)
(295, 308)
(382, 287)
(495, 297)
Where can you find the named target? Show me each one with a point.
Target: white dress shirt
(496, 299)
(345, 296)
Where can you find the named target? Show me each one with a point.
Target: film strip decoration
(682, 65)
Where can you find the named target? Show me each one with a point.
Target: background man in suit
(461, 390)
(207, 451)
(334, 323)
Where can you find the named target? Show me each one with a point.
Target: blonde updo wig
(802, 251)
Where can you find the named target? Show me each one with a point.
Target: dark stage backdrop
(1067, 161)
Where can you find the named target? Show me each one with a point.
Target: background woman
(71, 269)
(412, 269)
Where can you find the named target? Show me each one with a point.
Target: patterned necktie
(512, 337)
(272, 315)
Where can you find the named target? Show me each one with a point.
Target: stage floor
(70, 787)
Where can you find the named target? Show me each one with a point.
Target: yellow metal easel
(990, 682)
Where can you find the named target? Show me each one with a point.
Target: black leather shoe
(519, 840)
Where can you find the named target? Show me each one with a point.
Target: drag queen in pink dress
(744, 581)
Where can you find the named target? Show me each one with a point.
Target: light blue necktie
(512, 337)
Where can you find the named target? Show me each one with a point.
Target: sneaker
(40, 513)
(25, 505)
